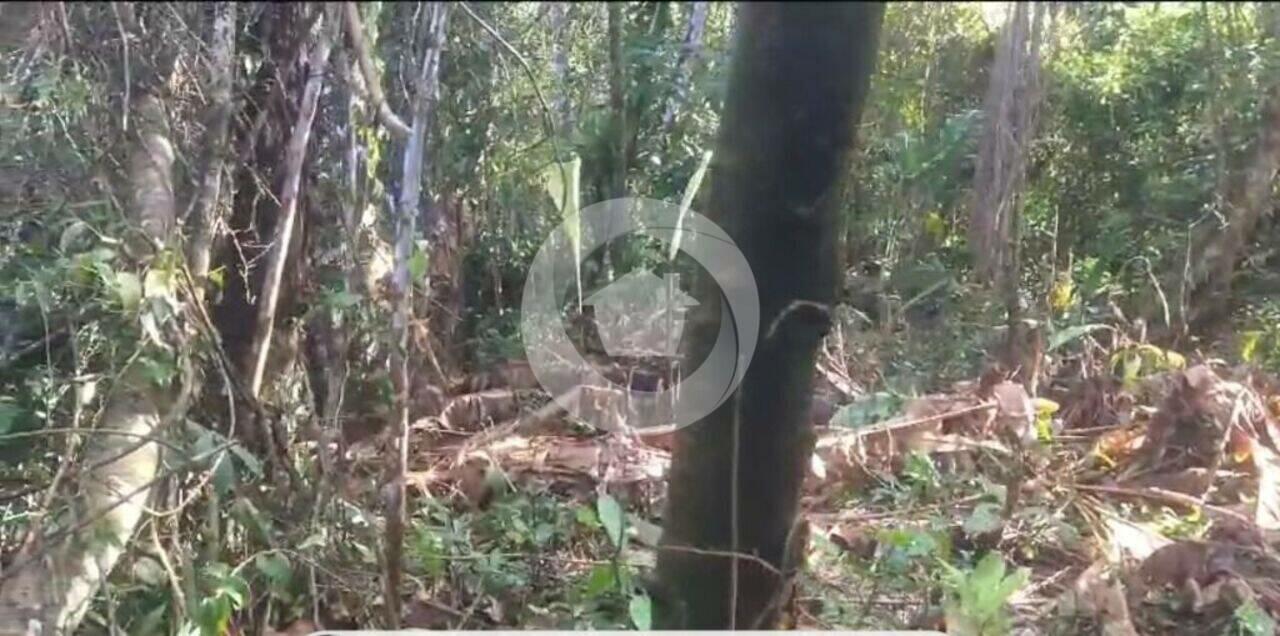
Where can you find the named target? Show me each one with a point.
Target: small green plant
(609, 583)
(226, 594)
(977, 601)
(1251, 620)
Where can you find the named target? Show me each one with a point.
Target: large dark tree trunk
(795, 93)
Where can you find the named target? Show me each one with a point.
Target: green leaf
(224, 475)
(1249, 342)
(641, 611)
(603, 578)
(159, 372)
(158, 283)
(417, 266)
(73, 233)
(587, 517)
(984, 518)
(250, 462)
(343, 299)
(219, 278)
(212, 615)
(867, 410)
(10, 414)
(1064, 336)
(152, 622)
(977, 603)
(128, 290)
(277, 570)
(1253, 620)
(612, 517)
(313, 541)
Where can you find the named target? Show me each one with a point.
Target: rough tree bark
(50, 586)
(1002, 154)
(426, 93)
(1012, 108)
(295, 153)
(372, 84)
(796, 89)
(1218, 250)
(221, 78)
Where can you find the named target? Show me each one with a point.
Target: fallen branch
(1168, 496)
(891, 425)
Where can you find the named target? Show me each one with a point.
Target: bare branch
(372, 83)
(295, 152)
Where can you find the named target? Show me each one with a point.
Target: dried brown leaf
(1267, 513)
(1099, 595)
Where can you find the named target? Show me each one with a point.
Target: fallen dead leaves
(1195, 441)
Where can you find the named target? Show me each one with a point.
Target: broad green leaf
(984, 518)
(158, 283)
(1249, 342)
(73, 233)
(587, 517)
(277, 570)
(248, 460)
(417, 266)
(1253, 620)
(212, 615)
(869, 409)
(312, 541)
(603, 578)
(10, 414)
(1064, 336)
(159, 372)
(343, 299)
(128, 290)
(219, 278)
(224, 475)
(641, 610)
(149, 571)
(152, 622)
(611, 517)
(935, 227)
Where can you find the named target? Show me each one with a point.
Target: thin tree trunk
(1023, 341)
(690, 51)
(51, 585)
(1247, 200)
(295, 153)
(559, 16)
(221, 77)
(796, 89)
(1002, 154)
(426, 93)
(617, 102)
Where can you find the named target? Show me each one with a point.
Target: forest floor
(1139, 495)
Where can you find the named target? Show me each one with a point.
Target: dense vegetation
(261, 268)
